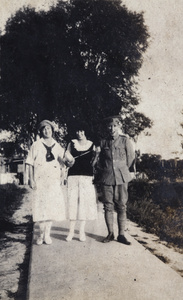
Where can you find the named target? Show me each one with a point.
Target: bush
(158, 207)
(11, 196)
(157, 168)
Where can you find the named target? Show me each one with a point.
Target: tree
(79, 60)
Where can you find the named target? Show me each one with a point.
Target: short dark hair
(81, 126)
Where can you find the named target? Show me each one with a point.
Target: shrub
(158, 207)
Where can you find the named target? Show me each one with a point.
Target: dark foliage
(11, 198)
(76, 61)
(160, 169)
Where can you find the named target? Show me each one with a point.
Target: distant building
(12, 170)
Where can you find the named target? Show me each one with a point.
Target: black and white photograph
(91, 150)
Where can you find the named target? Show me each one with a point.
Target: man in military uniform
(116, 155)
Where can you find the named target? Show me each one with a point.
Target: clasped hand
(33, 184)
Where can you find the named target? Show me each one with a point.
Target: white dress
(81, 191)
(47, 200)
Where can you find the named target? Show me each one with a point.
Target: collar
(80, 147)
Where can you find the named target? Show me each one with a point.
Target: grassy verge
(158, 207)
(15, 239)
(11, 196)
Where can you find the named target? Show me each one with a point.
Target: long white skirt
(82, 203)
(48, 199)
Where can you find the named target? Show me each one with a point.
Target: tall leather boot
(121, 218)
(109, 223)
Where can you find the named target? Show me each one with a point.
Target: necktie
(49, 154)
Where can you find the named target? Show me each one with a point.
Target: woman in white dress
(45, 159)
(81, 191)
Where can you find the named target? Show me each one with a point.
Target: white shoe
(39, 240)
(69, 237)
(82, 237)
(48, 240)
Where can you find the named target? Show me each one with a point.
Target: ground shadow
(62, 236)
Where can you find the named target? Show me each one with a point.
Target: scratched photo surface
(93, 270)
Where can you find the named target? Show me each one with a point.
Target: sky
(160, 78)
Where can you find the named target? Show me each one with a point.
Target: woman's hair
(81, 126)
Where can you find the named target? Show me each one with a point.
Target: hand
(69, 158)
(70, 163)
(95, 160)
(93, 163)
(33, 184)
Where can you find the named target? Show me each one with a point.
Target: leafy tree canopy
(79, 60)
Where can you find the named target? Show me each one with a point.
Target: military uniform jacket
(115, 158)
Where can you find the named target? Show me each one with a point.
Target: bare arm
(130, 152)
(96, 156)
(31, 177)
(68, 158)
(30, 163)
